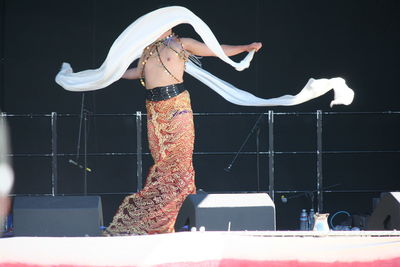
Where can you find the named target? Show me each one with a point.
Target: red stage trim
(244, 263)
(231, 249)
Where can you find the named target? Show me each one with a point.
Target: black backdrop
(357, 40)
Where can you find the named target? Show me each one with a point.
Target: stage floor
(272, 248)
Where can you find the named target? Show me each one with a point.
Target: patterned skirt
(170, 180)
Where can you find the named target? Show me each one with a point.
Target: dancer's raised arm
(131, 74)
(200, 49)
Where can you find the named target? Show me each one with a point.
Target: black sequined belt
(164, 92)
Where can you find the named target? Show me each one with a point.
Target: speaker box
(386, 215)
(57, 216)
(222, 212)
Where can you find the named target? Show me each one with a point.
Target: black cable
(258, 157)
(2, 53)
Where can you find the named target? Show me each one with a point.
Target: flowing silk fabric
(146, 29)
(171, 178)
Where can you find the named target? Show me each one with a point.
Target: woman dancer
(163, 58)
(170, 132)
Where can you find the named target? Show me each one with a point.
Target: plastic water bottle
(303, 220)
(311, 219)
(3, 225)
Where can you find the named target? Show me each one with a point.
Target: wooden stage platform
(272, 248)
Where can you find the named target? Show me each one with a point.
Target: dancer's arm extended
(131, 74)
(200, 49)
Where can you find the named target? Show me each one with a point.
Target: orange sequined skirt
(170, 180)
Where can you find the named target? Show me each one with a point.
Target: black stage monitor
(57, 216)
(223, 212)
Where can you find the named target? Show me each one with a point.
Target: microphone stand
(83, 120)
(309, 194)
(256, 127)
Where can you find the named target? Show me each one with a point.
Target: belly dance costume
(170, 180)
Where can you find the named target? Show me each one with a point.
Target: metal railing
(270, 151)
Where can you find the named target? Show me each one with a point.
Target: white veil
(146, 29)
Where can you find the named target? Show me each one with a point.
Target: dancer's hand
(254, 46)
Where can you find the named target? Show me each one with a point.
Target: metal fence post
(319, 162)
(85, 133)
(271, 153)
(54, 174)
(139, 160)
